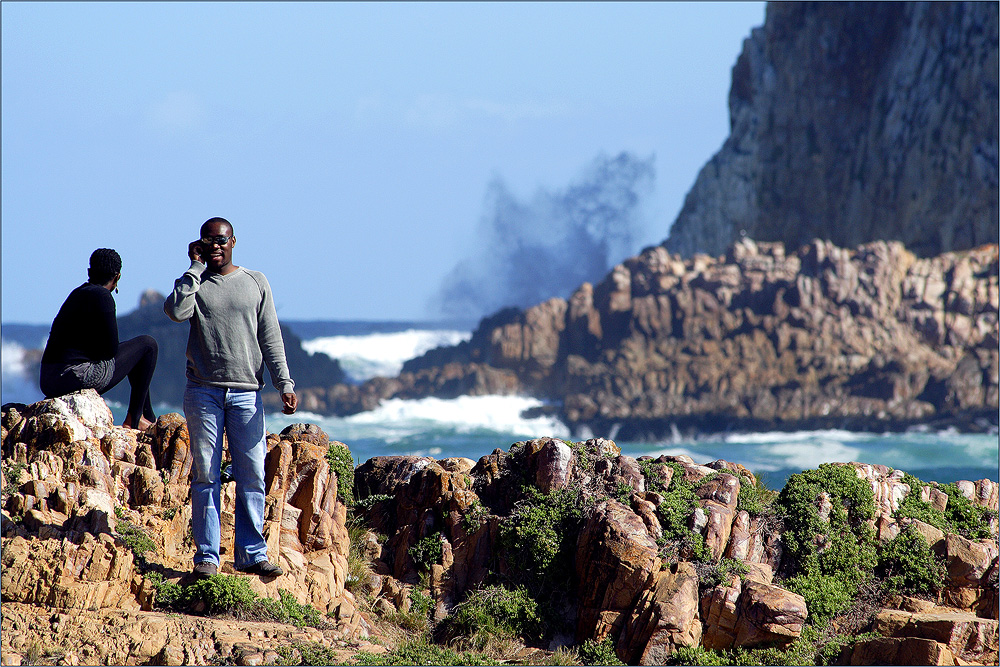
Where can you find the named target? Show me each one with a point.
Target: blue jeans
(209, 410)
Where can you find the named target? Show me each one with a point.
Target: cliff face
(854, 122)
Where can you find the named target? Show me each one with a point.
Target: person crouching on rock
(234, 333)
(83, 350)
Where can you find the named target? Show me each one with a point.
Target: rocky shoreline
(652, 560)
(870, 338)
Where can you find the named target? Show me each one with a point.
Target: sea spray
(533, 251)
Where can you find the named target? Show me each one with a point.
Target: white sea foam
(501, 414)
(13, 357)
(364, 357)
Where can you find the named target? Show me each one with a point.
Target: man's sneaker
(204, 570)
(263, 569)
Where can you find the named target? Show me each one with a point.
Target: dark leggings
(136, 359)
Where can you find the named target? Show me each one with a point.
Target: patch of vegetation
(582, 454)
(960, 516)
(135, 538)
(475, 517)
(368, 503)
(832, 558)
(12, 472)
(721, 572)
(427, 552)
(679, 503)
(623, 492)
(359, 570)
(907, 565)
(816, 646)
(964, 516)
(755, 499)
(306, 653)
(342, 464)
(538, 537)
(224, 594)
(169, 513)
(651, 471)
(598, 653)
(420, 603)
(492, 613)
(422, 652)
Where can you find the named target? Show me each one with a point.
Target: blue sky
(351, 144)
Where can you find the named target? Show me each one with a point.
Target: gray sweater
(234, 329)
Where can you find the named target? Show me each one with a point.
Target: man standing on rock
(234, 332)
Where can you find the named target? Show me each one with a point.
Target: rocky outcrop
(651, 555)
(855, 122)
(866, 338)
(89, 509)
(631, 582)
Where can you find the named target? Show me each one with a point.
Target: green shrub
(420, 603)
(679, 503)
(225, 594)
(368, 503)
(721, 572)
(830, 577)
(493, 612)
(12, 472)
(475, 517)
(964, 516)
(908, 566)
(427, 552)
(342, 465)
(302, 653)
(135, 538)
(960, 516)
(815, 646)
(599, 653)
(755, 499)
(421, 652)
(538, 537)
(650, 471)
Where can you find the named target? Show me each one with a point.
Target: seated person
(83, 351)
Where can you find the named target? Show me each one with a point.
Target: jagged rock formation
(72, 482)
(74, 486)
(869, 338)
(854, 122)
(624, 584)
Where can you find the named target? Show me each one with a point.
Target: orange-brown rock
(769, 614)
(664, 618)
(615, 560)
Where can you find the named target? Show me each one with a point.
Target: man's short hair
(105, 264)
(210, 221)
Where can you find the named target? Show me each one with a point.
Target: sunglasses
(215, 240)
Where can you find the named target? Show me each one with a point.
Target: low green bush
(342, 465)
(598, 653)
(538, 537)
(490, 613)
(960, 516)
(832, 558)
(422, 652)
(679, 503)
(720, 573)
(226, 594)
(755, 499)
(427, 551)
(907, 565)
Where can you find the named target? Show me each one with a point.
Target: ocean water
(473, 426)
